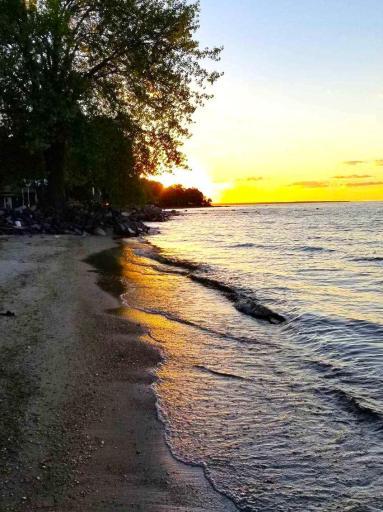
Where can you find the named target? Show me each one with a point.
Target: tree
(179, 196)
(17, 160)
(152, 190)
(65, 60)
(101, 157)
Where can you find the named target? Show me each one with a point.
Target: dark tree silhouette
(179, 196)
(135, 62)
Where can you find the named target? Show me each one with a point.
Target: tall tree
(101, 155)
(137, 60)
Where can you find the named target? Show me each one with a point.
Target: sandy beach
(78, 424)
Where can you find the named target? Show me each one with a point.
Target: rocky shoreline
(77, 219)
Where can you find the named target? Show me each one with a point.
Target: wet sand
(78, 425)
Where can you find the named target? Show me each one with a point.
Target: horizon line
(298, 202)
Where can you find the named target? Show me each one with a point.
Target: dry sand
(78, 427)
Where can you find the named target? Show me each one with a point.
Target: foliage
(17, 161)
(152, 190)
(102, 155)
(68, 62)
(174, 196)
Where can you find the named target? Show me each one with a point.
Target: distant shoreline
(220, 205)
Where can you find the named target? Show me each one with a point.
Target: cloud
(364, 183)
(378, 162)
(355, 162)
(352, 176)
(251, 178)
(310, 184)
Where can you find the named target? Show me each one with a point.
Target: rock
(76, 219)
(99, 232)
(8, 314)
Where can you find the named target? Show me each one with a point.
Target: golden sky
(298, 115)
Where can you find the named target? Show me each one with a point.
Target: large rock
(77, 220)
(99, 231)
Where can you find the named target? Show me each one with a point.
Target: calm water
(285, 416)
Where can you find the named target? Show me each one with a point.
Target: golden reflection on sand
(183, 346)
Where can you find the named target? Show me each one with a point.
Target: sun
(197, 177)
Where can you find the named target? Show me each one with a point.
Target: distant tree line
(98, 94)
(175, 196)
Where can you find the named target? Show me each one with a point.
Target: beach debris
(78, 219)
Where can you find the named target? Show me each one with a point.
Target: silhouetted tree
(136, 60)
(152, 190)
(17, 162)
(100, 157)
(179, 196)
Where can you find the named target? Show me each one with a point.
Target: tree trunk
(55, 168)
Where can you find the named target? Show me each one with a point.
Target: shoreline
(88, 433)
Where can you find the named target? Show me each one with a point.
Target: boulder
(77, 219)
(99, 231)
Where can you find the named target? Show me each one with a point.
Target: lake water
(283, 415)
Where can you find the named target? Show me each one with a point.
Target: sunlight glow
(300, 104)
(197, 177)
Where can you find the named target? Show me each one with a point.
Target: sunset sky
(299, 113)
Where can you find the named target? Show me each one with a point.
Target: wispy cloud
(378, 162)
(355, 162)
(310, 184)
(364, 183)
(352, 176)
(251, 178)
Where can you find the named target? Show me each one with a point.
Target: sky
(298, 115)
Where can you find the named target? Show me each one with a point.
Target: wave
(371, 259)
(189, 461)
(308, 248)
(154, 253)
(256, 310)
(179, 262)
(320, 324)
(242, 302)
(157, 268)
(317, 270)
(242, 246)
(212, 283)
(219, 373)
(329, 369)
(189, 323)
(356, 405)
